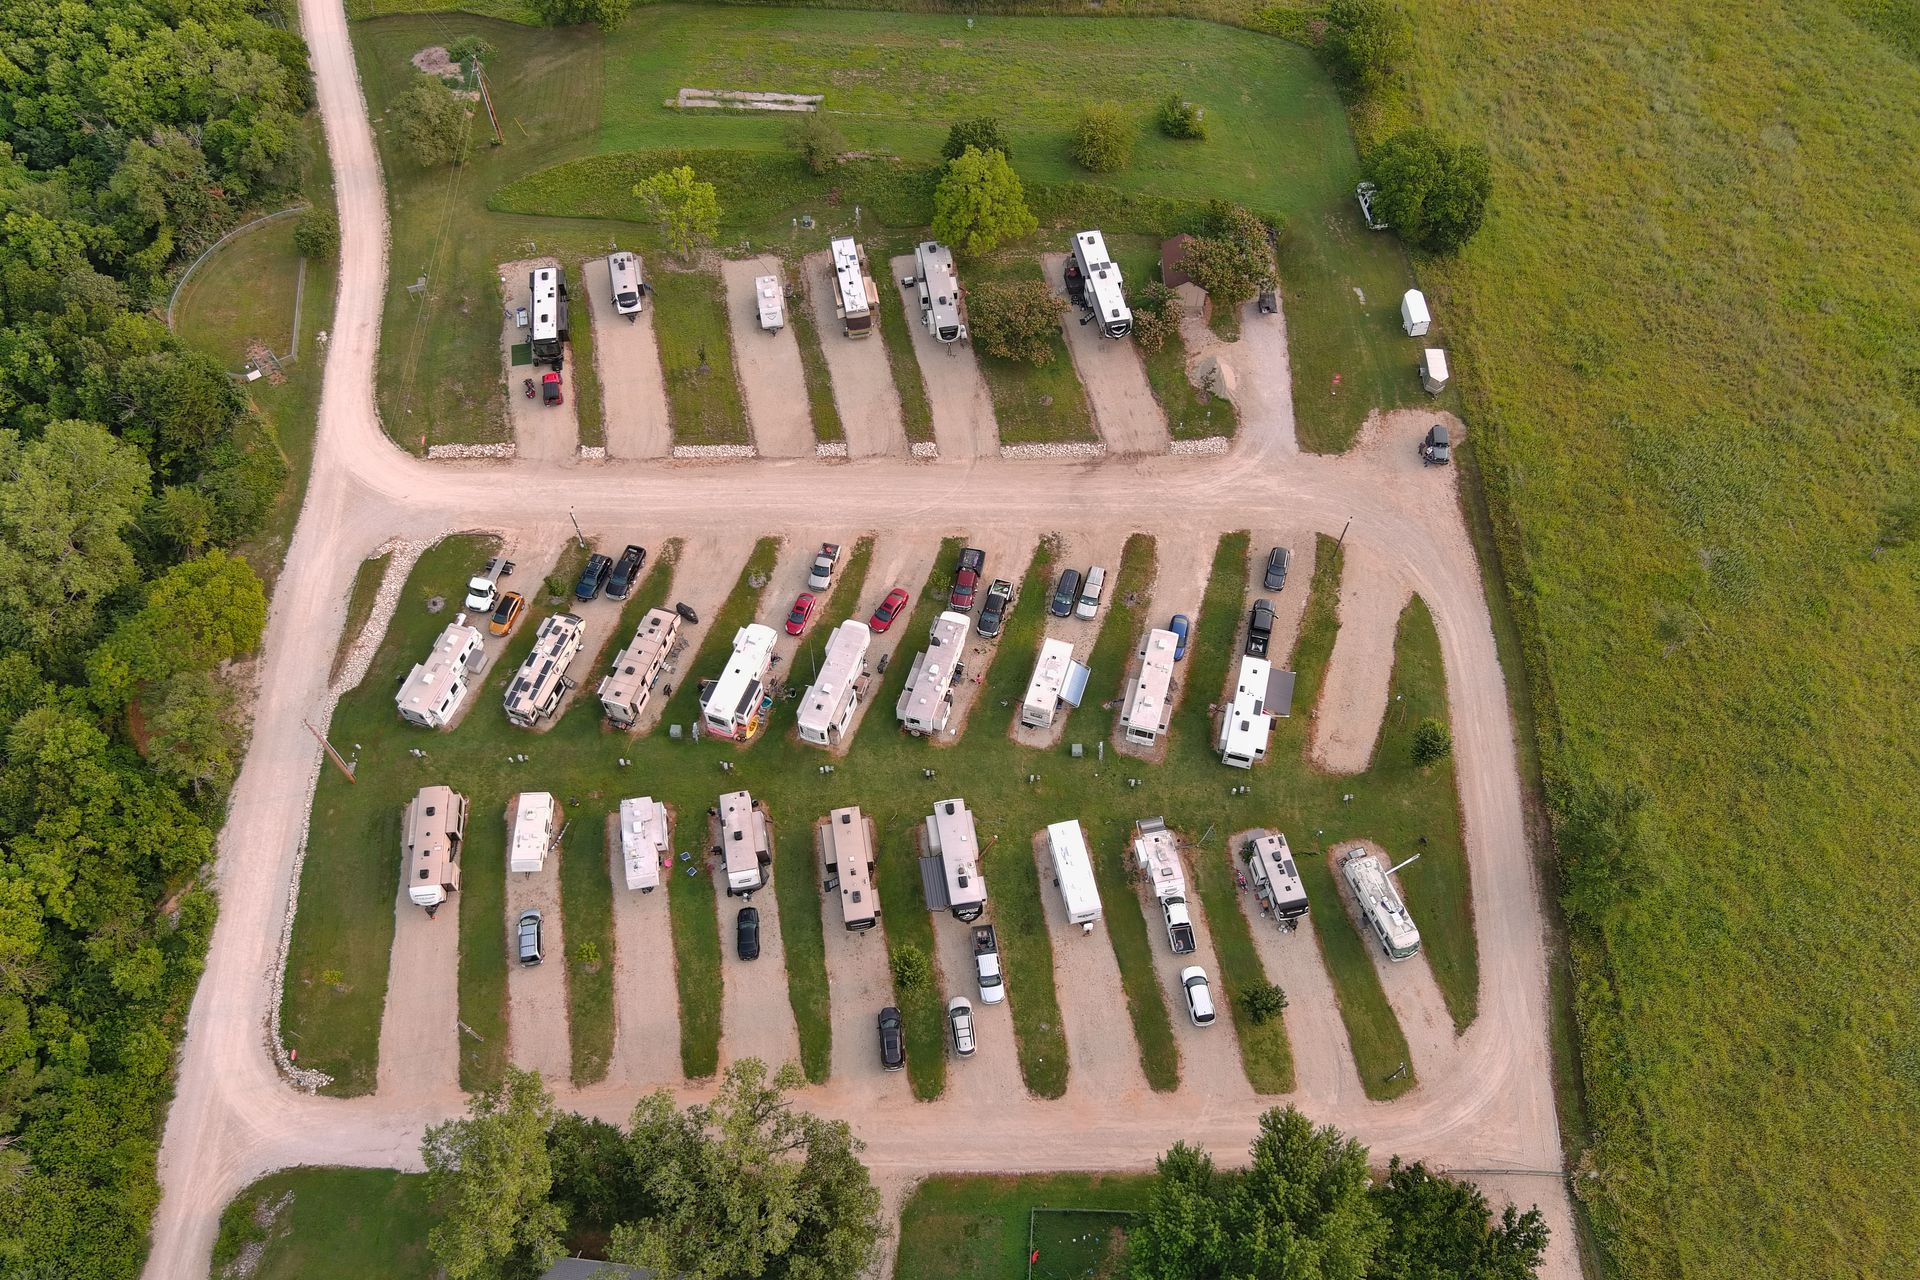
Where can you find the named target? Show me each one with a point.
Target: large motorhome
(941, 309)
(1276, 877)
(746, 843)
(846, 861)
(1149, 700)
(432, 693)
(530, 818)
(434, 829)
(629, 286)
(1380, 903)
(855, 296)
(1093, 282)
(644, 839)
(733, 705)
(624, 693)
(952, 839)
(548, 314)
(1057, 679)
(537, 687)
(1073, 872)
(927, 702)
(1247, 722)
(826, 712)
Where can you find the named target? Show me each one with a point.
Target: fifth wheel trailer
(433, 831)
(938, 285)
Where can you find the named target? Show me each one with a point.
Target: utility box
(1413, 313)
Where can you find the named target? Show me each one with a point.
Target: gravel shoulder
(646, 1001)
(963, 422)
(771, 378)
(1129, 418)
(419, 1027)
(756, 1018)
(1102, 1055)
(863, 389)
(1353, 700)
(537, 994)
(540, 433)
(632, 388)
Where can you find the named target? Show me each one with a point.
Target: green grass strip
(483, 953)
(905, 918)
(366, 586)
(975, 1226)
(586, 904)
(1032, 403)
(916, 413)
(696, 359)
(827, 427)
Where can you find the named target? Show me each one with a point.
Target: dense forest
(132, 135)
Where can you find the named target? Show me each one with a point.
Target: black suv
(746, 933)
(1067, 594)
(893, 1040)
(593, 577)
(1279, 560)
(626, 572)
(993, 610)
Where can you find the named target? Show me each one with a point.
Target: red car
(550, 389)
(800, 614)
(889, 609)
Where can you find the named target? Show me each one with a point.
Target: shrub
(431, 121)
(1235, 262)
(818, 143)
(605, 14)
(1182, 119)
(1015, 321)
(1432, 743)
(1103, 138)
(468, 49)
(1433, 192)
(687, 209)
(1156, 316)
(980, 203)
(911, 970)
(1366, 42)
(316, 234)
(981, 132)
(1263, 1002)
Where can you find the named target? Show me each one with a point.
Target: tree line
(131, 136)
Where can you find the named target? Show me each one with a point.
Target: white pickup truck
(1179, 925)
(986, 963)
(483, 589)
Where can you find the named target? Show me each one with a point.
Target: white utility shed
(1413, 313)
(1433, 370)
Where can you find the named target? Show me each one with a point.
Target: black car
(893, 1040)
(993, 610)
(1259, 629)
(626, 572)
(746, 933)
(593, 577)
(1067, 594)
(1279, 560)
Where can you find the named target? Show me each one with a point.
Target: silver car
(960, 1025)
(529, 936)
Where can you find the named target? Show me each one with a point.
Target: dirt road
(1124, 410)
(633, 391)
(963, 423)
(863, 389)
(1353, 699)
(771, 377)
(233, 1116)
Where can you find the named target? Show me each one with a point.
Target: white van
(629, 291)
(1193, 981)
(1090, 593)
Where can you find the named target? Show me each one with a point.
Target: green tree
(687, 209)
(911, 971)
(748, 1186)
(818, 144)
(1366, 41)
(65, 501)
(316, 234)
(193, 738)
(1103, 138)
(1018, 321)
(490, 1177)
(980, 203)
(1233, 263)
(982, 133)
(1433, 192)
(605, 14)
(1432, 742)
(1156, 315)
(433, 122)
(1442, 1229)
(596, 1181)
(198, 615)
(1182, 120)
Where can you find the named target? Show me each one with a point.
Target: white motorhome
(548, 311)
(629, 286)
(826, 712)
(1057, 679)
(746, 843)
(733, 705)
(1276, 877)
(433, 830)
(530, 818)
(846, 862)
(625, 691)
(855, 297)
(433, 692)
(644, 840)
(1380, 903)
(1093, 281)
(1246, 724)
(1157, 856)
(771, 301)
(1149, 702)
(952, 839)
(927, 702)
(1073, 872)
(537, 687)
(941, 309)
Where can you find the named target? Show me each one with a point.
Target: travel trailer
(433, 692)
(624, 693)
(434, 828)
(1380, 903)
(548, 286)
(629, 286)
(927, 701)
(1149, 703)
(733, 705)
(537, 687)
(644, 840)
(771, 301)
(953, 842)
(1259, 695)
(1276, 877)
(746, 843)
(1093, 284)
(846, 861)
(941, 309)
(1057, 679)
(826, 711)
(1073, 872)
(530, 834)
(855, 297)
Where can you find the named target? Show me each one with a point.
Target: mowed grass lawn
(1688, 335)
(975, 1227)
(322, 1221)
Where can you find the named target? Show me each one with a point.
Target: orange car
(508, 613)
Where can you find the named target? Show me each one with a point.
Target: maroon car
(966, 579)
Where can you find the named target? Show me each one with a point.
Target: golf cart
(1436, 450)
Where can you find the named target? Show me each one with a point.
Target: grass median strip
(916, 413)
(1033, 403)
(366, 587)
(905, 919)
(586, 904)
(827, 427)
(696, 359)
(483, 952)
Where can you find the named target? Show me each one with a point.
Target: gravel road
(963, 423)
(633, 392)
(771, 377)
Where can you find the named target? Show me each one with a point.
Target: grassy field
(976, 1227)
(696, 359)
(317, 1222)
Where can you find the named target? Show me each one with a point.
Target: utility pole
(333, 755)
(581, 538)
(1341, 544)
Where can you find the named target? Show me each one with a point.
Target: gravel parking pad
(707, 569)
(863, 389)
(771, 377)
(756, 1019)
(1124, 409)
(1415, 997)
(1076, 552)
(992, 1074)
(1103, 1055)
(541, 432)
(537, 993)
(1209, 1061)
(625, 355)
(898, 561)
(1008, 554)
(963, 425)
(419, 1031)
(1353, 699)
(859, 987)
(646, 1003)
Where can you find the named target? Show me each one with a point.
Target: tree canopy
(1016, 321)
(434, 122)
(1432, 191)
(687, 209)
(605, 14)
(980, 203)
(1232, 263)
(490, 1179)
(983, 133)
(1366, 41)
(1103, 138)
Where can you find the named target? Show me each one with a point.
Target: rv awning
(933, 883)
(1075, 686)
(1279, 699)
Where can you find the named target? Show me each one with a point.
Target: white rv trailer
(732, 705)
(1157, 855)
(771, 302)
(1380, 903)
(746, 844)
(1100, 277)
(827, 710)
(1276, 877)
(951, 838)
(535, 691)
(1149, 701)
(1073, 872)
(846, 860)
(624, 692)
(939, 287)
(434, 690)
(432, 833)
(629, 287)
(548, 285)
(1057, 678)
(927, 701)
(855, 296)
(1246, 724)
(644, 840)
(529, 831)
